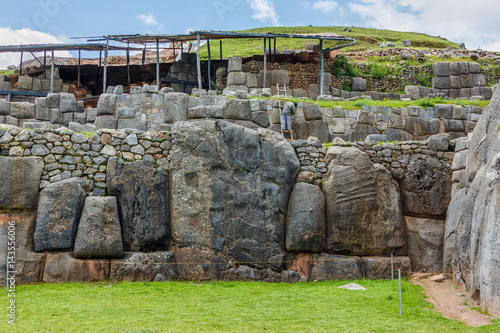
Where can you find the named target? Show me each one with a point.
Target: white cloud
(149, 19)
(9, 36)
(263, 10)
(326, 7)
(458, 20)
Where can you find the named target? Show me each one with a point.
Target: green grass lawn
(230, 306)
(366, 39)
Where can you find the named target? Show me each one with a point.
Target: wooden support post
(158, 63)
(322, 75)
(198, 62)
(21, 65)
(128, 64)
(52, 73)
(144, 55)
(105, 76)
(220, 45)
(274, 49)
(79, 63)
(209, 66)
(265, 65)
(44, 58)
(270, 51)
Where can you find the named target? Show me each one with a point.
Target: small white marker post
(400, 300)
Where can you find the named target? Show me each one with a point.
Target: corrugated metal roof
(60, 47)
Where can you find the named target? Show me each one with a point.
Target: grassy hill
(367, 39)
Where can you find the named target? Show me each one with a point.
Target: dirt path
(449, 300)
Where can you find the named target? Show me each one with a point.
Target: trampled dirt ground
(451, 301)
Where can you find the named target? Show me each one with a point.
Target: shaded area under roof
(60, 47)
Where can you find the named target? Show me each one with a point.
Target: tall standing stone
(142, 195)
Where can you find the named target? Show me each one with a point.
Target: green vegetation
(366, 39)
(341, 66)
(8, 72)
(378, 71)
(226, 307)
(423, 102)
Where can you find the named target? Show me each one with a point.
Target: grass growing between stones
(230, 306)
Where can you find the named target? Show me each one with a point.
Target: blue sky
(49, 21)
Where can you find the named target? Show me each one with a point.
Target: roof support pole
(173, 48)
(158, 63)
(209, 66)
(44, 58)
(220, 45)
(21, 65)
(265, 65)
(198, 62)
(79, 63)
(52, 73)
(270, 51)
(322, 75)
(36, 58)
(128, 63)
(144, 55)
(274, 49)
(100, 57)
(105, 78)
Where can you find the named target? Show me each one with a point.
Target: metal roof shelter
(220, 35)
(31, 48)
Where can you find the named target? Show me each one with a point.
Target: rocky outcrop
(99, 234)
(63, 267)
(363, 206)
(141, 192)
(425, 244)
(232, 189)
(472, 236)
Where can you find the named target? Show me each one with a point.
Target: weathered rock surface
(232, 189)
(99, 234)
(59, 211)
(380, 267)
(200, 265)
(425, 244)
(138, 266)
(28, 270)
(363, 206)
(21, 182)
(141, 192)
(426, 187)
(305, 228)
(316, 128)
(63, 267)
(328, 267)
(472, 236)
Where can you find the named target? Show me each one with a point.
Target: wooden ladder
(282, 100)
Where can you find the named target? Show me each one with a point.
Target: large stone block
(59, 211)
(378, 268)
(109, 122)
(191, 264)
(176, 106)
(143, 205)
(364, 117)
(99, 234)
(328, 267)
(413, 92)
(137, 266)
(22, 225)
(25, 83)
(67, 102)
(425, 239)
(359, 84)
(106, 106)
(236, 78)
(42, 112)
(312, 111)
(365, 218)
(133, 123)
(63, 267)
(22, 110)
(441, 69)
(316, 128)
(261, 118)
(426, 186)
(238, 109)
(359, 132)
(441, 83)
(20, 183)
(232, 186)
(4, 107)
(305, 227)
(234, 64)
(465, 81)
